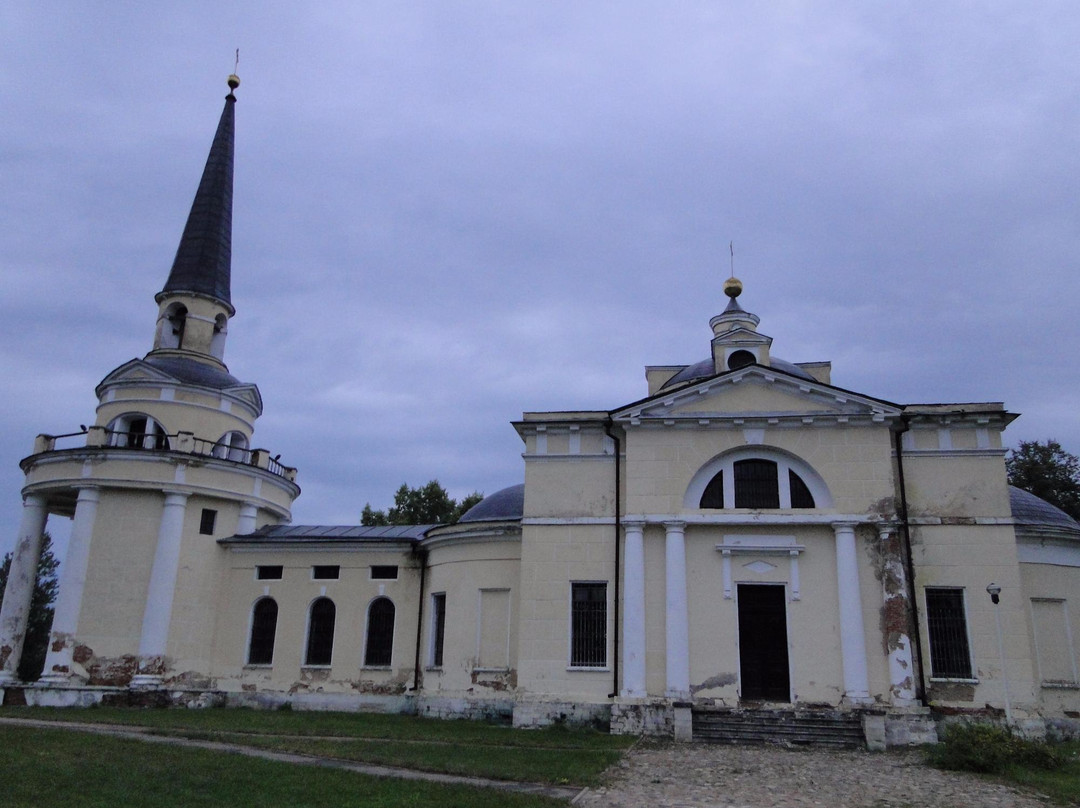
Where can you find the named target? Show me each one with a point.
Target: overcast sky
(447, 213)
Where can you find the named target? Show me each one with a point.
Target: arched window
(134, 430)
(757, 478)
(320, 641)
(263, 629)
(380, 633)
(232, 446)
(173, 324)
(217, 342)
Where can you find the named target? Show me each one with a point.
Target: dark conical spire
(204, 257)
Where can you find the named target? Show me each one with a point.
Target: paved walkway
(146, 734)
(668, 775)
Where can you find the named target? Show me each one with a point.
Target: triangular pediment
(756, 392)
(742, 336)
(249, 394)
(136, 371)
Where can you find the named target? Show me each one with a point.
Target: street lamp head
(995, 592)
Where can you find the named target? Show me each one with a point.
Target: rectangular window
(268, 573)
(493, 631)
(588, 625)
(206, 524)
(438, 628)
(946, 623)
(1053, 642)
(325, 572)
(384, 572)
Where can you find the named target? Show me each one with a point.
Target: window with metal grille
(713, 496)
(320, 643)
(269, 572)
(946, 623)
(588, 625)
(263, 629)
(800, 494)
(384, 572)
(325, 572)
(380, 633)
(756, 484)
(438, 628)
(207, 522)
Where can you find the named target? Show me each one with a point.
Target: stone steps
(824, 728)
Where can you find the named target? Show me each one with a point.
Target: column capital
(844, 526)
(674, 525)
(174, 497)
(633, 524)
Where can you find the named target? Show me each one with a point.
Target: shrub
(990, 749)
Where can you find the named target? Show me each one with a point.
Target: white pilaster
(58, 662)
(246, 523)
(852, 636)
(897, 609)
(15, 614)
(634, 611)
(159, 597)
(676, 615)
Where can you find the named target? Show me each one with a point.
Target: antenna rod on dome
(236, 64)
(731, 246)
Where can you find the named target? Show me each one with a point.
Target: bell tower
(194, 306)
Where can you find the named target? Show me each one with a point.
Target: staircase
(826, 728)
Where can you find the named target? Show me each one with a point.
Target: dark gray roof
(204, 257)
(1030, 510)
(299, 534)
(506, 504)
(706, 368)
(190, 371)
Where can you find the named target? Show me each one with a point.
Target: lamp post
(994, 590)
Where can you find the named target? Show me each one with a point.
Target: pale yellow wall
(569, 486)
(970, 557)
(551, 557)
(855, 463)
(206, 419)
(1063, 583)
(460, 571)
(351, 593)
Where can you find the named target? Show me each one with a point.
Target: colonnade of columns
(60, 668)
(676, 617)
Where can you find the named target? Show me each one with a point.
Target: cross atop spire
(204, 258)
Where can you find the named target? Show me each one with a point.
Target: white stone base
(533, 714)
(643, 717)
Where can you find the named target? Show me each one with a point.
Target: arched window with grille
(263, 630)
(379, 647)
(320, 640)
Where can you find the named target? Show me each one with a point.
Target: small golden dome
(733, 287)
(234, 81)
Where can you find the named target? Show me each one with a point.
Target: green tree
(1047, 471)
(41, 610)
(428, 505)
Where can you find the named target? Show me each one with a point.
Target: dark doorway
(763, 643)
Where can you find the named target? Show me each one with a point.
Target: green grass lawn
(1062, 785)
(556, 755)
(44, 768)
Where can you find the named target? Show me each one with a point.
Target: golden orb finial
(234, 81)
(733, 287)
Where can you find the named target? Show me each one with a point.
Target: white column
(159, 597)
(15, 614)
(852, 637)
(58, 662)
(677, 616)
(246, 523)
(897, 610)
(634, 611)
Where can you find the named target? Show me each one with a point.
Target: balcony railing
(98, 437)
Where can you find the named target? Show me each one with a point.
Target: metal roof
(706, 368)
(505, 504)
(191, 371)
(204, 258)
(299, 534)
(1032, 511)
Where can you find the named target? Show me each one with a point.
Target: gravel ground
(668, 775)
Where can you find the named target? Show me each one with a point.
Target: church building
(747, 538)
